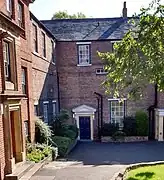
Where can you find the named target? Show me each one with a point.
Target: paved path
(96, 161)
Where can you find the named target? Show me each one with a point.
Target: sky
(44, 9)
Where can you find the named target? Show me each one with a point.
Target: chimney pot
(124, 11)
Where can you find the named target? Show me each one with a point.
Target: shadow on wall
(48, 104)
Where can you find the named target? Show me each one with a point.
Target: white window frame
(20, 14)
(9, 6)
(43, 44)
(84, 53)
(54, 108)
(118, 118)
(45, 111)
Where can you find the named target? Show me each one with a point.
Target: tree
(138, 59)
(65, 15)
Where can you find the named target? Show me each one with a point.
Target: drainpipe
(156, 96)
(58, 92)
(101, 107)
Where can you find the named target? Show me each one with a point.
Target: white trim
(117, 99)
(83, 65)
(115, 41)
(36, 103)
(45, 102)
(82, 111)
(83, 43)
(54, 101)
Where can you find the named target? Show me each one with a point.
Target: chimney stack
(124, 11)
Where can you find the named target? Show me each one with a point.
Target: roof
(42, 26)
(88, 29)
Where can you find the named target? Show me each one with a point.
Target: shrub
(119, 135)
(70, 134)
(109, 129)
(59, 122)
(74, 129)
(130, 126)
(43, 132)
(37, 152)
(63, 144)
(142, 123)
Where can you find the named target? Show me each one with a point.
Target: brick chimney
(124, 11)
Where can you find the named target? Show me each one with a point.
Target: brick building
(28, 80)
(16, 107)
(45, 79)
(81, 72)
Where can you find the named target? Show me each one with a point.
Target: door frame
(85, 111)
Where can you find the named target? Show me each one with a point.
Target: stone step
(32, 171)
(20, 171)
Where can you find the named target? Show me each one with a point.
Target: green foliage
(109, 129)
(59, 123)
(63, 144)
(37, 152)
(130, 128)
(142, 123)
(43, 132)
(70, 134)
(118, 136)
(137, 60)
(65, 15)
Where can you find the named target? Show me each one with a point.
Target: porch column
(159, 124)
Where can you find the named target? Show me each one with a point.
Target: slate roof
(88, 29)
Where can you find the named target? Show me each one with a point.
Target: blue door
(85, 127)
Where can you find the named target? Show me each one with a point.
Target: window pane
(45, 112)
(84, 55)
(54, 108)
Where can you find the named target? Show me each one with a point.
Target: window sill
(43, 57)
(83, 65)
(101, 74)
(35, 53)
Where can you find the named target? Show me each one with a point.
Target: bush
(63, 144)
(130, 128)
(59, 123)
(70, 134)
(142, 123)
(37, 152)
(109, 129)
(119, 135)
(43, 132)
(74, 129)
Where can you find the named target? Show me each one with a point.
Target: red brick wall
(78, 84)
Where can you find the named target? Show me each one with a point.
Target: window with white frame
(9, 6)
(54, 108)
(117, 111)
(45, 111)
(84, 54)
(20, 14)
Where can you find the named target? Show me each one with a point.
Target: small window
(117, 112)
(43, 45)
(7, 60)
(101, 71)
(20, 14)
(24, 80)
(54, 108)
(84, 54)
(35, 38)
(45, 111)
(52, 55)
(9, 6)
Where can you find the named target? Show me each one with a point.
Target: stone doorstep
(24, 171)
(19, 171)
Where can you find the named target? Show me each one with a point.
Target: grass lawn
(147, 173)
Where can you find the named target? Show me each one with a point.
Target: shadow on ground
(94, 153)
(143, 176)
